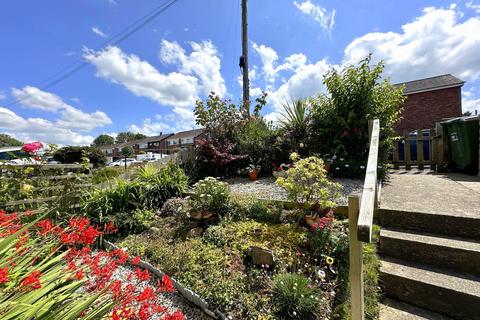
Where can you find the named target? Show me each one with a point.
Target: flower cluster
(32, 147)
(324, 222)
(134, 297)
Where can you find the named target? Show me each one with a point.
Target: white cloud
(99, 32)
(70, 117)
(112, 2)
(203, 62)
(151, 128)
(2, 95)
(469, 100)
(36, 129)
(474, 6)
(320, 14)
(198, 74)
(434, 43)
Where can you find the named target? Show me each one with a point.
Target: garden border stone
(185, 292)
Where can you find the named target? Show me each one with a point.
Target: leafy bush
(356, 94)
(307, 184)
(105, 174)
(293, 297)
(151, 188)
(175, 207)
(218, 158)
(73, 154)
(211, 195)
(202, 267)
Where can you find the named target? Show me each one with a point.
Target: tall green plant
(356, 94)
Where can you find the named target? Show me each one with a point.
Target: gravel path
(266, 188)
(173, 301)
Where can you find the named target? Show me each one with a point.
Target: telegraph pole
(244, 61)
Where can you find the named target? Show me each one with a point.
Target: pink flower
(32, 147)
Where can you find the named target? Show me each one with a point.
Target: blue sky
(149, 82)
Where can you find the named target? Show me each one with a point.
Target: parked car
(121, 162)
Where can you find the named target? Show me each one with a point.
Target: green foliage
(211, 195)
(356, 94)
(128, 136)
(307, 184)
(293, 298)
(73, 154)
(283, 239)
(219, 117)
(127, 151)
(149, 190)
(202, 267)
(105, 174)
(58, 296)
(255, 138)
(176, 207)
(8, 141)
(103, 140)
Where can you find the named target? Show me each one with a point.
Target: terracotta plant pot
(311, 219)
(253, 175)
(326, 166)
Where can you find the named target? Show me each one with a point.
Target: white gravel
(265, 188)
(173, 301)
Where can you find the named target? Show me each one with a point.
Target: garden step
(396, 310)
(456, 225)
(454, 294)
(442, 251)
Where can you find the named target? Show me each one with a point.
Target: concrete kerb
(185, 292)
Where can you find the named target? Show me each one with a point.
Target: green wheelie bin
(462, 135)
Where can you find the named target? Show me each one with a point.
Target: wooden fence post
(356, 259)
(406, 153)
(396, 158)
(420, 157)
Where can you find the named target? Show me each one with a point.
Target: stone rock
(261, 256)
(195, 233)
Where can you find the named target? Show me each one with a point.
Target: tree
(8, 141)
(103, 140)
(73, 154)
(127, 151)
(356, 94)
(127, 136)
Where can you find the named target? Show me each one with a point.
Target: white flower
(202, 195)
(321, 274)
(294, 313)
(347, 165)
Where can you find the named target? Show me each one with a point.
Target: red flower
(146, 295)
(32, 280)
(166, 285)
(79, 274)
(142, 275)
(136, 261)
(110, 228)
(46, 226)
(32, 147)
(3, 275)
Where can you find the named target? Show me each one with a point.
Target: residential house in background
(183, 139)
(155, 144)
(429, 101)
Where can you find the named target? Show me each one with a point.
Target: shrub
(175, 207)
(73, 154)
(356, 94)
(152, 187)
(211, 195)
(105, 174)
(293, 297)
(307, 184)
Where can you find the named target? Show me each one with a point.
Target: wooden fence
(360, 216)
(56, 186)
(419, 151)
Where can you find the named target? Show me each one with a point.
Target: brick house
(429, 101)
(183, 139)
(155, 144)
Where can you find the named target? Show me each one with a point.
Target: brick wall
(422, 110)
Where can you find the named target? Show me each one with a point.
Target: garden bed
(265, 188)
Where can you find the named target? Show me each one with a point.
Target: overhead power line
(114, 40)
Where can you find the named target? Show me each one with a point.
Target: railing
(360, 216)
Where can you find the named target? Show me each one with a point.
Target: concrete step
(455, 225)
(447, 252)
(454, 294)
(396, 310)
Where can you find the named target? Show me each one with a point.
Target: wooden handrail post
(356, 259)
(420, 156)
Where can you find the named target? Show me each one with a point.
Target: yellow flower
(329, 260)
(26, 188)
